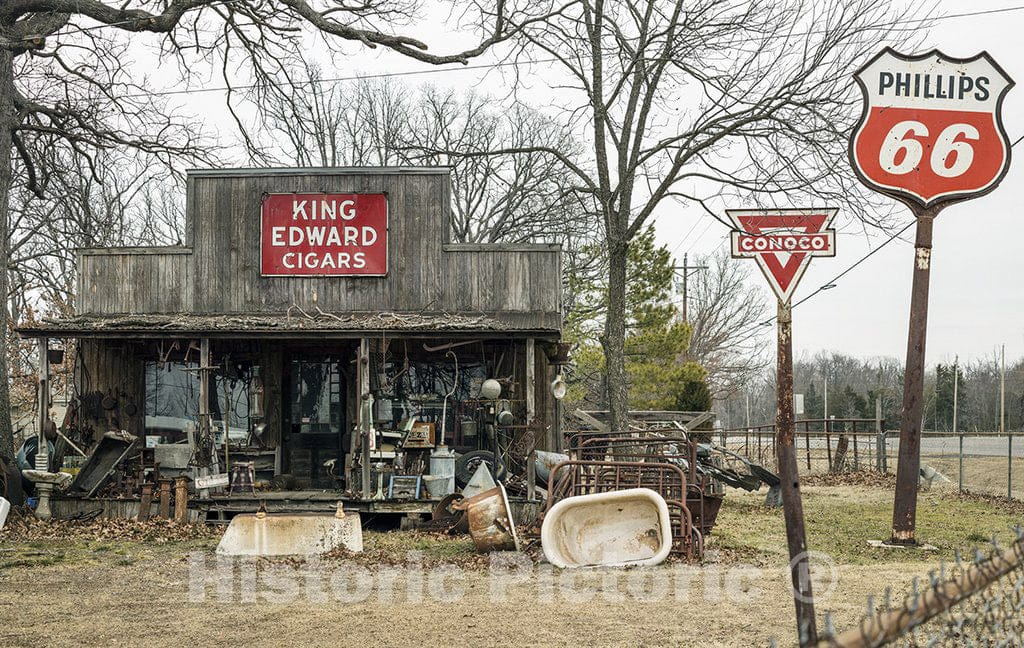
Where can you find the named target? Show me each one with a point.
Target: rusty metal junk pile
(612, 499)
(685, 476)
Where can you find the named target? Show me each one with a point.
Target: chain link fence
(980, 462)
(976, 602)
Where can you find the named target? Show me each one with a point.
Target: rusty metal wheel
(445, 510)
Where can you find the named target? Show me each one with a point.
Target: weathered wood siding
(219, 270)
(109, 368)
(136, 280)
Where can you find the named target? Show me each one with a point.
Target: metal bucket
(490, 521)
(437, 486)
(442, 464)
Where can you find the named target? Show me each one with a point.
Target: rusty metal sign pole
(930, 134)
(783, 242)
(792, 505)
(904, 512)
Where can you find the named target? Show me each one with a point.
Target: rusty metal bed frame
(702, 502)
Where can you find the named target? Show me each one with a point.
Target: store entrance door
(314, 421)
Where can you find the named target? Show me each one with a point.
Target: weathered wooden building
(319, 325)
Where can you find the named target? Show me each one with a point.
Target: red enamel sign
(931, 130)
(783, 242)
(324, 234)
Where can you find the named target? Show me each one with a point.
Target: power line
(358, 77)
(831, 282)
(701, 235)
(967, 14)
(696, 222)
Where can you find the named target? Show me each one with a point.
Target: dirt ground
(61, 589)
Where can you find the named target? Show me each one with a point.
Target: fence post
(880, 449)
(961, 462)
(828, 444)
(807, 442)
(856, 456)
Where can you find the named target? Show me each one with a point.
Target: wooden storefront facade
(323, 383)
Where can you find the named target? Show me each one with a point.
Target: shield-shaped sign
(931, 131)
(783, 241)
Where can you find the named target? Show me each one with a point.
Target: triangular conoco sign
(783, 242)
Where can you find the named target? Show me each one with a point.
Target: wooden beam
(363, 368)
(531, 380)
(43, 451)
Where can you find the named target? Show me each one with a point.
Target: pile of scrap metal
(482, 510)
(714, 462)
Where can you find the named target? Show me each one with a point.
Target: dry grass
(100, 591)
(981, 474)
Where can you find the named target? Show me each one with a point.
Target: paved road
(988, 446)
(976, 446)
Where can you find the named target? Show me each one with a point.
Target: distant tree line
(853, 385)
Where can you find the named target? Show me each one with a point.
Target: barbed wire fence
(974, 602)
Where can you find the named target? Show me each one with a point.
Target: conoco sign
(931, 131)
(324, 234)
(783, 242)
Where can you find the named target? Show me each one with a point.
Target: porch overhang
(298, 324)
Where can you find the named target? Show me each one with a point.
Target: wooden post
(43, 404)
(363, 367)
(880, 445)
(205, 425)
(181, 500)
(904, 512)
(146, 502)
(807, 443)
(531, 380)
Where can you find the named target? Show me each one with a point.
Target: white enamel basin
(614, 529)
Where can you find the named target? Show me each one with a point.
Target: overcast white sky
(977, 301)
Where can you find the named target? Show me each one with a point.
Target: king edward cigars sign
(324, 235)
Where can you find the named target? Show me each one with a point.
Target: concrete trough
(299, 534)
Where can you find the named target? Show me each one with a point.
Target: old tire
(11, 482)
(467, 464)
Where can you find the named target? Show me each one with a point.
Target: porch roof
(297, 323)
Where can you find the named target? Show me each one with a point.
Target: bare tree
(725, 314)
(65, 80)
(691, 100)
(495, 198)
(119, 200)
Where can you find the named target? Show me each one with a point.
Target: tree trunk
(615, 334)
(7, 117)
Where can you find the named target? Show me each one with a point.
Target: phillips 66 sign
(931, 131)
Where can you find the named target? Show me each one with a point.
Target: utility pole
(825, 410)
(685, 271)
(748, 408)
